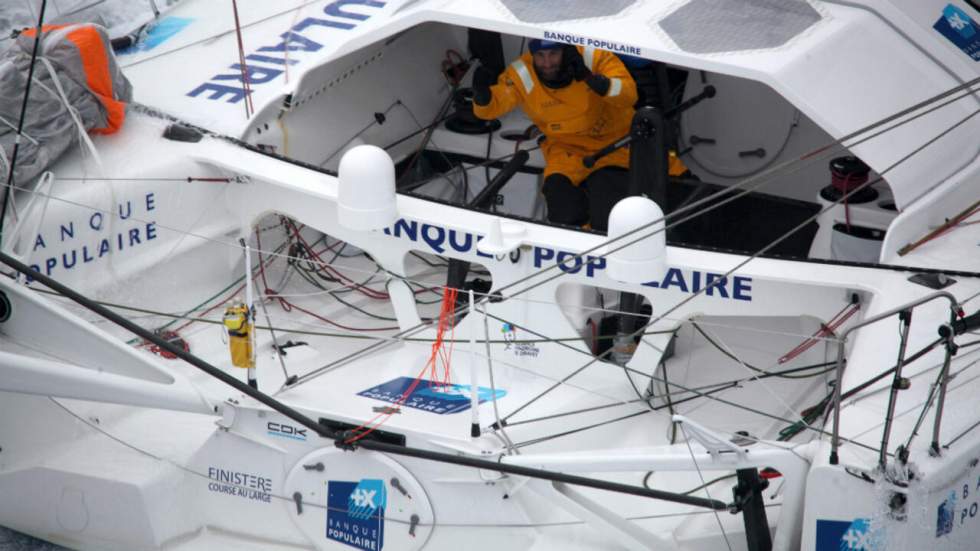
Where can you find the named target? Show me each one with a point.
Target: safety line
(38, 35)
(772, 244)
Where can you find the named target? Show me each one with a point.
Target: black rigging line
(724, 351)
(760, 178)
(710, 388)
(694, 295)
(763, 250)
(23, 117)
(341, 438)
(767, 176)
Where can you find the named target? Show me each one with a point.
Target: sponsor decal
(959, 508)
(90, 237)
(601, 44)
(945, 515)
(269, 62)
(835, 535)
(240, 484)
(520, 349)
(356, 513)
(282, 430)
(440, 240)
(960, 29)
(430, 396)
(163, 30)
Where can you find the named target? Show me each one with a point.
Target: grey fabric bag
(87, 78)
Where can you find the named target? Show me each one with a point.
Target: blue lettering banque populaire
(437, 239)
(96, 242)
(960, 29)
(267, 63)
(431, 396)
(356, 513)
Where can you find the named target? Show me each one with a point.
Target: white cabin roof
(845, 64)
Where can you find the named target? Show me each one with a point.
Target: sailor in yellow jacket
(582, 100)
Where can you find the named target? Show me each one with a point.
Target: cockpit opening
(554, 133)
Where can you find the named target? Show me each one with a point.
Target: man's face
(547, 63)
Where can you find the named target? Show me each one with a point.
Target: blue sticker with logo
(159, 33)
(836, 535)
(429, 395)
(356, 513)
(945, 514)
(960, 29)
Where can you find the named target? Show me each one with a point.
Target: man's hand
(598, 83)
(483, 79)
(576, 65)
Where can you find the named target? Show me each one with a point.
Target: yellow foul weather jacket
(576, 120)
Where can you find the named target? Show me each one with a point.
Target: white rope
(82, 132)
(756, 377)
(705, 486)
(511, 450)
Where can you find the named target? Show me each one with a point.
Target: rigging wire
(717, 342)
(438, 352)
(742, 263)
(763, 178)
(493, 387)
(289, 257)
(348, 268)
(705, 485)
(38, 36)
(213, 37)
(8, 191)
(546, 340)
(709, 389)
(317, 505)
(246, 80)
(811, 155)
(929, 143)
(926, 404)
(177, 230)
(727, 352)
(375, 121)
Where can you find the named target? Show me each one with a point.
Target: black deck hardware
(749, 501)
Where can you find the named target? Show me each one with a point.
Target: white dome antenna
(366, 195)
(646, 259)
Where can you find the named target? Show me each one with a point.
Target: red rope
(952, 225)
(437, 352)
(826, 329)
(246, 85)
(845, 183)
(445, 322)
(333, 272)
